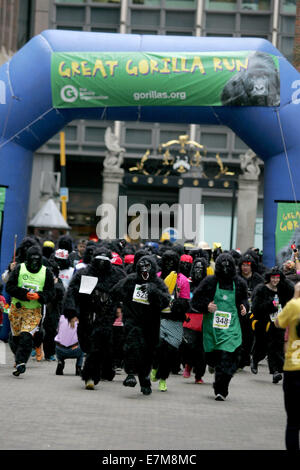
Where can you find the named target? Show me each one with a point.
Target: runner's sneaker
(20, 369)
(153, 375)
(163, 385)
(146, 390)
(200, 381)
(277, 377)
(39, 354)
(89, 384)
(220, 397)
(187, 371)
(130, 381)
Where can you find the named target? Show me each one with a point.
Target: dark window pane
(220, 22)
(138, 136)
(70, 14)
(142, 17)
(180, 18)
(255, 23)
(288, 24)
(103, 15)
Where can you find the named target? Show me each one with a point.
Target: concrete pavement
(42, 411)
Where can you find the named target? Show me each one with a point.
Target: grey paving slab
(42, 411)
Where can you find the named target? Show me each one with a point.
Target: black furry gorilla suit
(96, 314)
(224, 362)
(141, 321)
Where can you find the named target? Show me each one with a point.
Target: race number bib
(31, 286)
(140, 296)
(221, 320)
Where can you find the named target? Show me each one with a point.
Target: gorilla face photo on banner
(259, 85)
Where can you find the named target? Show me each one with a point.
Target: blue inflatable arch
(28, 118)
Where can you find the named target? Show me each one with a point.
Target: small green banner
(288, 220)
(2, 198)
(102, 79)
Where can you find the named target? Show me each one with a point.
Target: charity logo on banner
(101, 79)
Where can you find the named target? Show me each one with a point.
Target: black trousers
(163, 359)
(225, 364)
(192, 351)
(140, 345)
(21, 346)
(98, 363)
(247, 341)
(270, 344)
(291, 390)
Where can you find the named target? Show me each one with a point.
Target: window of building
(286, 34)
(288, 6)
(251, 18)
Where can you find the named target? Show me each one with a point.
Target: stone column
(188, 221)
(246, 212)
(247, 200)
(110, 187)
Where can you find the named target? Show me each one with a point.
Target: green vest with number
(32, 281)
(221, 329)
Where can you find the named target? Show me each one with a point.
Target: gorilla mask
(34, 259)
(199, 269)
(145, 269)
(225, 267)
(88, 254)
(101, 261)
(170, 262)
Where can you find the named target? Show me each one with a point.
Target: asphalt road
(42, 411)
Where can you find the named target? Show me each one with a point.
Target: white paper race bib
(87, 284)
(140, 296)
(221, 320)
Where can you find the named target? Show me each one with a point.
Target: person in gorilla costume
(171, 328)
(30, 285)
(269, 340)
(143, 295)
(95, 310)
(222, 298)
(247, 269)
(192, 345)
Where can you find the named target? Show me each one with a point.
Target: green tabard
(221, 329)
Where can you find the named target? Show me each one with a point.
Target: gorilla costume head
(169, 262)
(199, 270)
(26, 243)
(88, 252)
(275, 271)
(34, 259)
(225, 267)
(247, 258)
(61, 257)
(65, 243)
(185, 265)
(146, 269)
(101, 261)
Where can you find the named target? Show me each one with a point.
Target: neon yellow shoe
(163, 385)
(153, 375)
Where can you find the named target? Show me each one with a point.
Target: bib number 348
(221, 320)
